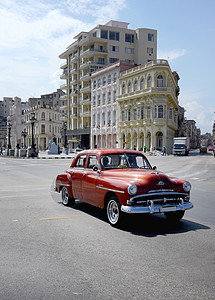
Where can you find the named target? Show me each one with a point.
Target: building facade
(104, 108)
(91, 51)
(148, 107)
(47, 126)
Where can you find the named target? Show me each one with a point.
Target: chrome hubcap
(65, 196)
(113, 212)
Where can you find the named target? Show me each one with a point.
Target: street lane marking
(59, 218)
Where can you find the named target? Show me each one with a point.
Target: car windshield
(124, 160)
(179, 146)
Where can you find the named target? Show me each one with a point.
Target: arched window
(135, 85)
(159, 140)
(123, 88)
(129, 87)
(160, 81)
(149, 82)
(142, 84)
(160, 111)
(43, 116)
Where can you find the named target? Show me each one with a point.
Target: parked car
(203, 149)
(210, 148)
(123, 182)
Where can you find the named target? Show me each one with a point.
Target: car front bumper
(155, 208)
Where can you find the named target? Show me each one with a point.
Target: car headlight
(132, 189)
(187, 186)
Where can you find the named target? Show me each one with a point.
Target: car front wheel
(114, 213)
(65, 197)
(174, 216)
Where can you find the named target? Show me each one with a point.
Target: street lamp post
(64, 134)
(32, 119)
(9, 130)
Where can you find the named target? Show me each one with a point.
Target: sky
(33, 33)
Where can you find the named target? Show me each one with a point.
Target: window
(98, 120)
(99, 100)
(114, 35)
(114, 96)
(142, 113)
(129, 50)
(115, 76)
(148, 112)
(160, 111)
(92, 162)
(135, 114)
(114, 117)
(114, 48)
(135, 85)
(101, 61)
(123, 115)
(129, 38)
(150, 50)
(160, 81)
(104, 34)
(94, 100)
(113, 60)
(123, 89)
(149, 82)
(94, 84)
(103, 118)
(103, 99)
(129, 115)
(109, 97)
(43, 116)
(129, 87)
(80, 163)
(109, 78)
(104, 80)
(94, 120)
(170, 113)
(99, 83)
(109, 117)
(43, 128)
(142, 84)
(150, 37)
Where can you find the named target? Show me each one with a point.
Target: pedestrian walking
(164, 151)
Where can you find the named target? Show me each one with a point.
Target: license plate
(167, 208)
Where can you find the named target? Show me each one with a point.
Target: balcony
(64, 75)
(73, 71)
(64, 86)
(63, 65)
(92, 51)
(85, 114)
(63, 97)
(85, 89)
(86, 101)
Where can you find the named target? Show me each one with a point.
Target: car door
(90, 180)
(77, 177)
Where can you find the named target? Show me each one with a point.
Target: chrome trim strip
(154, 208)
(103, 188)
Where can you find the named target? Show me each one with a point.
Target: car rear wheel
(65, 197)
(114, 213)
(174, 216)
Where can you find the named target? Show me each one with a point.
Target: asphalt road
(49, 251)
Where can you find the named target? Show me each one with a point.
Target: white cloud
(34, 33)
(193, 102)
(172, 54)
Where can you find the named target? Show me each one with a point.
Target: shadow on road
(143, 225)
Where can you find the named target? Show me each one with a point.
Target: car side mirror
(154, 168)
(95, 168)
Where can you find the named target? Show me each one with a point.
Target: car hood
(147, 179)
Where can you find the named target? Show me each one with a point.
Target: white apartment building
(91, 51)
(104, 108)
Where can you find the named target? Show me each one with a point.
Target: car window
(80, 163)
(124, 160)
(92, 162)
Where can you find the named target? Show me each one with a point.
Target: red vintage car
(123, 181)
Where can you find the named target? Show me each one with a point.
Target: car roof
(108, 151)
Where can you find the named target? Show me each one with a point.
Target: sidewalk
(44, 155)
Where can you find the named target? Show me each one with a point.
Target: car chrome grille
(159, 197)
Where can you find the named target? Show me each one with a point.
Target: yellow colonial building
(148, 106)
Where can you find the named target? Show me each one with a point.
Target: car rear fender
(62, 180)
